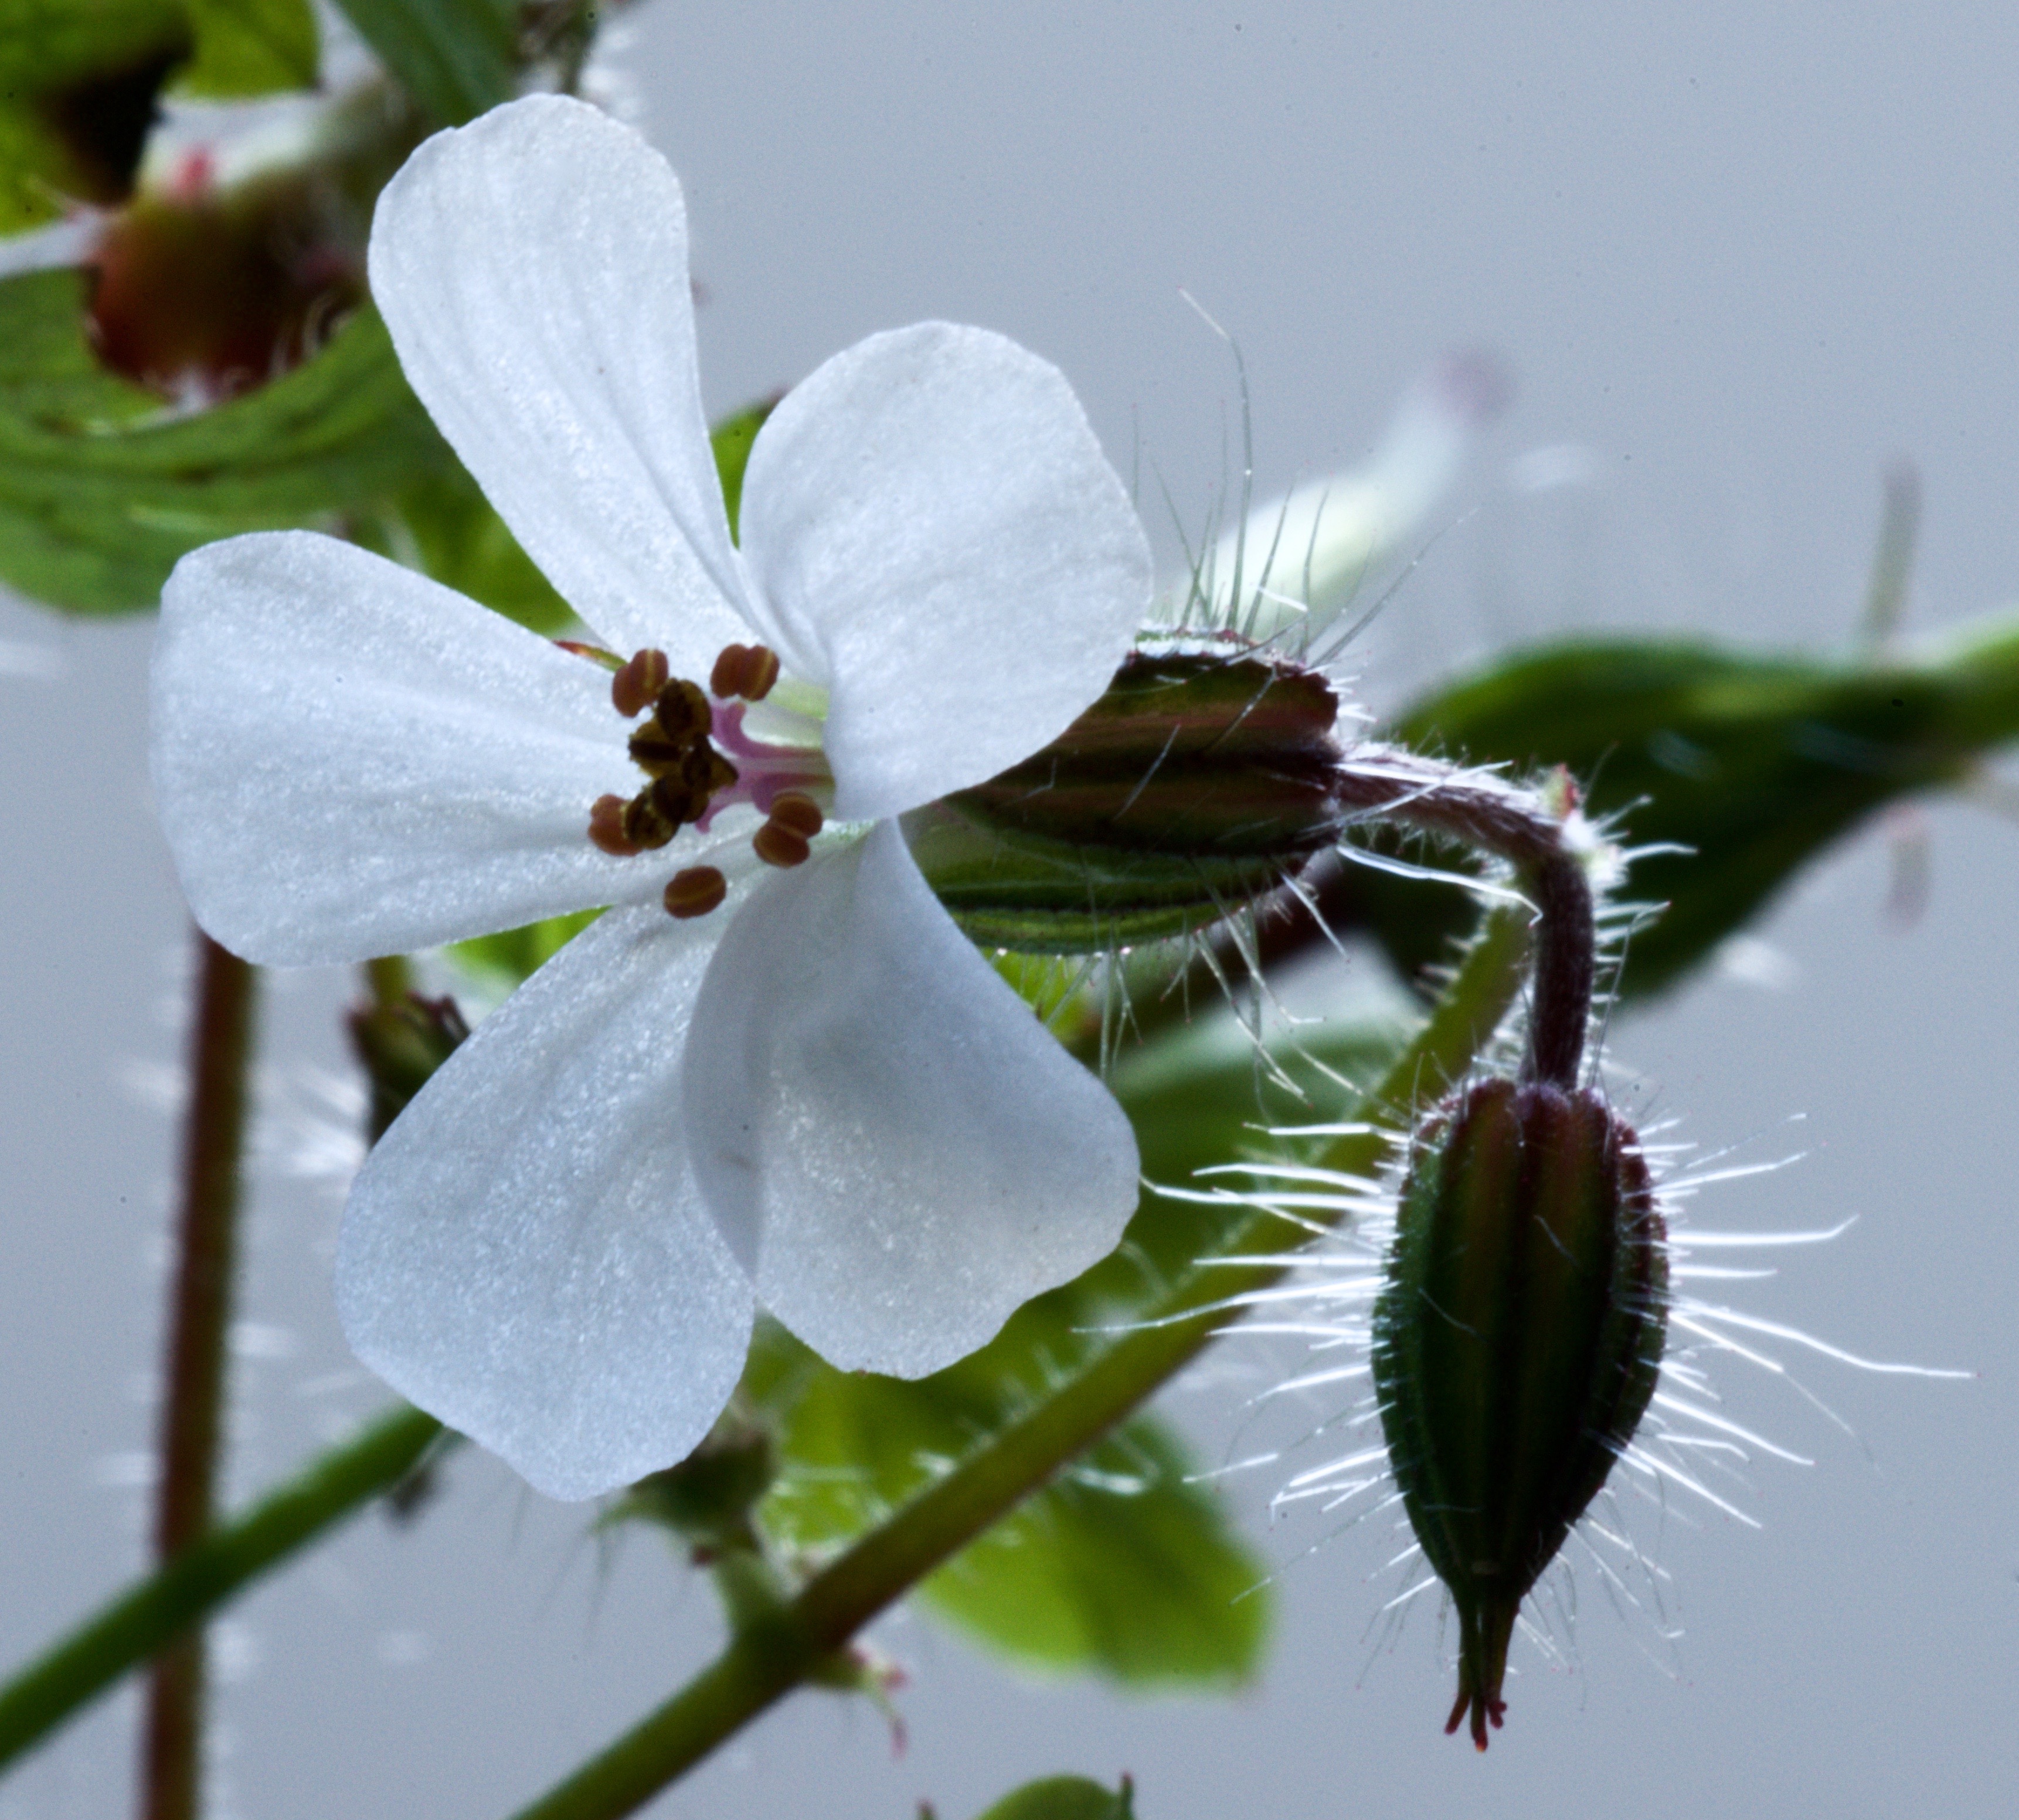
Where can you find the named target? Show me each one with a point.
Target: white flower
(818, 1094)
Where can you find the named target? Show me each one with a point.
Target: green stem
(200, 1313)
(167, 1604)
(767, 1660)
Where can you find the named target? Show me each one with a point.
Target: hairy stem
(200, 1312)
(169, 1604)
(769, 1659)
(1474, 810)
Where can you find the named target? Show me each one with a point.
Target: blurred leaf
(1120, 1567)
(250, 47)
(1065, 1798)
(460, 541)
(101, 489)
(504, 961)
(78, 83)
(455, 57)
(1756, 761)
(733, 437)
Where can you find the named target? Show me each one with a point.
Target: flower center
(700, 758)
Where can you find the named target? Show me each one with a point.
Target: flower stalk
(164, 1607)
(200, 1313)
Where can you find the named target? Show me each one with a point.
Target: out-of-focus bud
(1518, 1338)
(1300, 561)
(708, 1499)
(243, 247)
(1201, 781)
(400, 1046)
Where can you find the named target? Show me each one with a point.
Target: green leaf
(102, 489)
(1065, 1798)
(455, 57)
(250, 47)
(78, 83)
(1755, 762)
(1119, 1567)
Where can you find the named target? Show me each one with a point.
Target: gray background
(1740, 254)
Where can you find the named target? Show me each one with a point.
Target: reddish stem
(192, 1410)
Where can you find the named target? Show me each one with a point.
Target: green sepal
(1066, 1798)
(457, 58)
(78, 83)
(249, 47)
(1753, 762)
(1198, 782)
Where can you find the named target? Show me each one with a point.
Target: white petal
(931, 525)
(350, 759)
(884, 1127)
(525, 1254)
(532, 266)
(1301, 560)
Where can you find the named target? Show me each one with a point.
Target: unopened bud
(1517, 1342)
(1198, 784)
(401, 1045)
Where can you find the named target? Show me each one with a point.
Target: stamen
(681, 710)
(695, 891)
(638, 681)
(748, 670)
(606, 828)
(776, 845)
(595, 653)
(795, 810)
(646, 824)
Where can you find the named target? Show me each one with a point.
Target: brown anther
(655, 753)
(638, 681)
(683, 710)
(705, 770)
(797, 811)
(776, 845)
(748, 670)
(647, 824)
(606, 828)
(695, 891)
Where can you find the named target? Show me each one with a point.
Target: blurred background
(1737, 259)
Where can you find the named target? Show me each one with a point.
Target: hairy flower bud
(1518, 1338)
(1200, 782)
